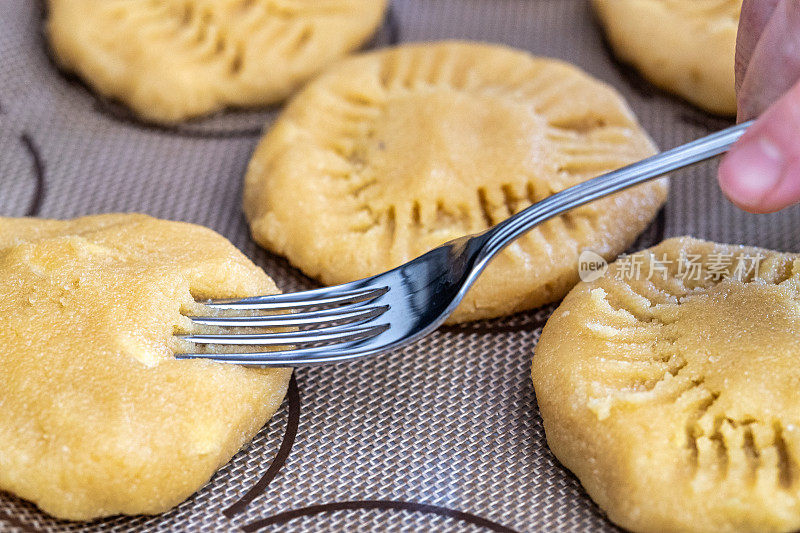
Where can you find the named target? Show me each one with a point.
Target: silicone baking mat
(441, 436)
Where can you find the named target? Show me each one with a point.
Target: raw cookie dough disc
(684, 46)
(392, 153)
(96, 416)
(675, 399)
(175, 59)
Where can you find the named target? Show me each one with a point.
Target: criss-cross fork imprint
(390, 310)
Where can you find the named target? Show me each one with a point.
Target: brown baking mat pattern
(441, 436)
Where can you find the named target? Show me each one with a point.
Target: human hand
(761, 173)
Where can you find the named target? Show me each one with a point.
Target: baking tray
(441, 436)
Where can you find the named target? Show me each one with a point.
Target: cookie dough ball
(393, 153)
(176, 59)
(686, 47)
(97, 417)
(674, 399)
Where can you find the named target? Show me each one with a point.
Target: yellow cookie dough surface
(390, 154)
(684, 46)
(171, 60)
(675, 399)
(96, 416)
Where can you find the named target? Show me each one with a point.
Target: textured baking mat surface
(441, 436)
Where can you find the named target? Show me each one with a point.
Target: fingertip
(787, 191)
(729, 186)
(749, 173)
(761, 173)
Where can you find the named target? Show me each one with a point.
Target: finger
(774, 65)
(753, 20)
(761, 173)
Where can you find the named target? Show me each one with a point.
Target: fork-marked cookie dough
(670, 388)
(390, 154)
(97, 417)
(176, 59)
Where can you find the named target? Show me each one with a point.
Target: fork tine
(350, 313)
(297, 357)
(328, 335)
(327, 296)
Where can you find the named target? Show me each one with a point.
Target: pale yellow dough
(97, 418)
(171, 60)
(684, 46)
(675, 400)
(390, 154)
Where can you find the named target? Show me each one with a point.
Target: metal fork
(390, 310)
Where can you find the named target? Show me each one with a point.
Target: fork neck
(500, 236)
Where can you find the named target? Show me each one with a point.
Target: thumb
(761, 173)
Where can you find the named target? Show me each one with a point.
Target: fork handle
(653, 167)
